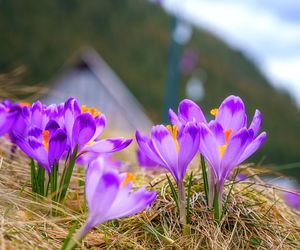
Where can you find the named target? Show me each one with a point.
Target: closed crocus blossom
(172, 150)
(109, 196)
(188, 111)
(227, 141)
(84, 126)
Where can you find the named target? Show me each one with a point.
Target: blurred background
(134, 58)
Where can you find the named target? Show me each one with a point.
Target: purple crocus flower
(84, 126)
(227, 141)
(188, 111)
(292, 199)
(172, 150)
(109, 196)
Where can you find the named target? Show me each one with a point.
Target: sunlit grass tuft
(256, 216)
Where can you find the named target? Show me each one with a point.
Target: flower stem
(182, 202)
(76, 239)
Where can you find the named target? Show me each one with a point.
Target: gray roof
(93, 83)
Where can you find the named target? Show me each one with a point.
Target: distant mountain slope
(133, 36)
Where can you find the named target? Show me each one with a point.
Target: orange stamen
(222, 149)
(93, 111)
(227, 134)
(45, 135)
(174, 132)
(129, 177)
(7, 109)
(214, 112)
(24, 104)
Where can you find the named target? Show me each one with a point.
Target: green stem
(53, 180)
(66, 177)
(75, 240)
(182, 202)
(216, 205)
(41, 180)
(33, 176)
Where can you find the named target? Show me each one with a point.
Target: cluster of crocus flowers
(224, 142)
(109, 196)
(48, 134)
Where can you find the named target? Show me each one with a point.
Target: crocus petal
(256, 122)
(190, 111)
(174, 119)
(209, 148)
(253, 146)
(126, 205)
(233, 152)
(217, 131)
(108, 145)
(100, 122)
(71, 111)
(189, 146)
(39, 152)
(146, 146)
(24, 146)
(57, 146)
(52, 126)
(144, 160)
(36, 114)
(164, 145)
(83, 130)
(231, 114)
(6, 122)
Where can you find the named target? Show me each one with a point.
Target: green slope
(133, 37)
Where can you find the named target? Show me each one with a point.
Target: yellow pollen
(24, 104)
(174, 132)
(129, 177)
(214, 112)
(93, 111)
(227, 134)
(222, 149)
(45, 142)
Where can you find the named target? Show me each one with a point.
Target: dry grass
(12, 86)
(257, 218)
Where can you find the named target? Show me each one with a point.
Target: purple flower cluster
(224, 142)
(49, 134)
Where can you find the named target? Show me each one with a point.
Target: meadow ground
(256, 217)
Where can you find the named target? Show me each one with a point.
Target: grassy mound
(256, 216)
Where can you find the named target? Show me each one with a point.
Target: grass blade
(205, 180)
(229, 193)
(173, 191)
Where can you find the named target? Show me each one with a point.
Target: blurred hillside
(133, 36)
